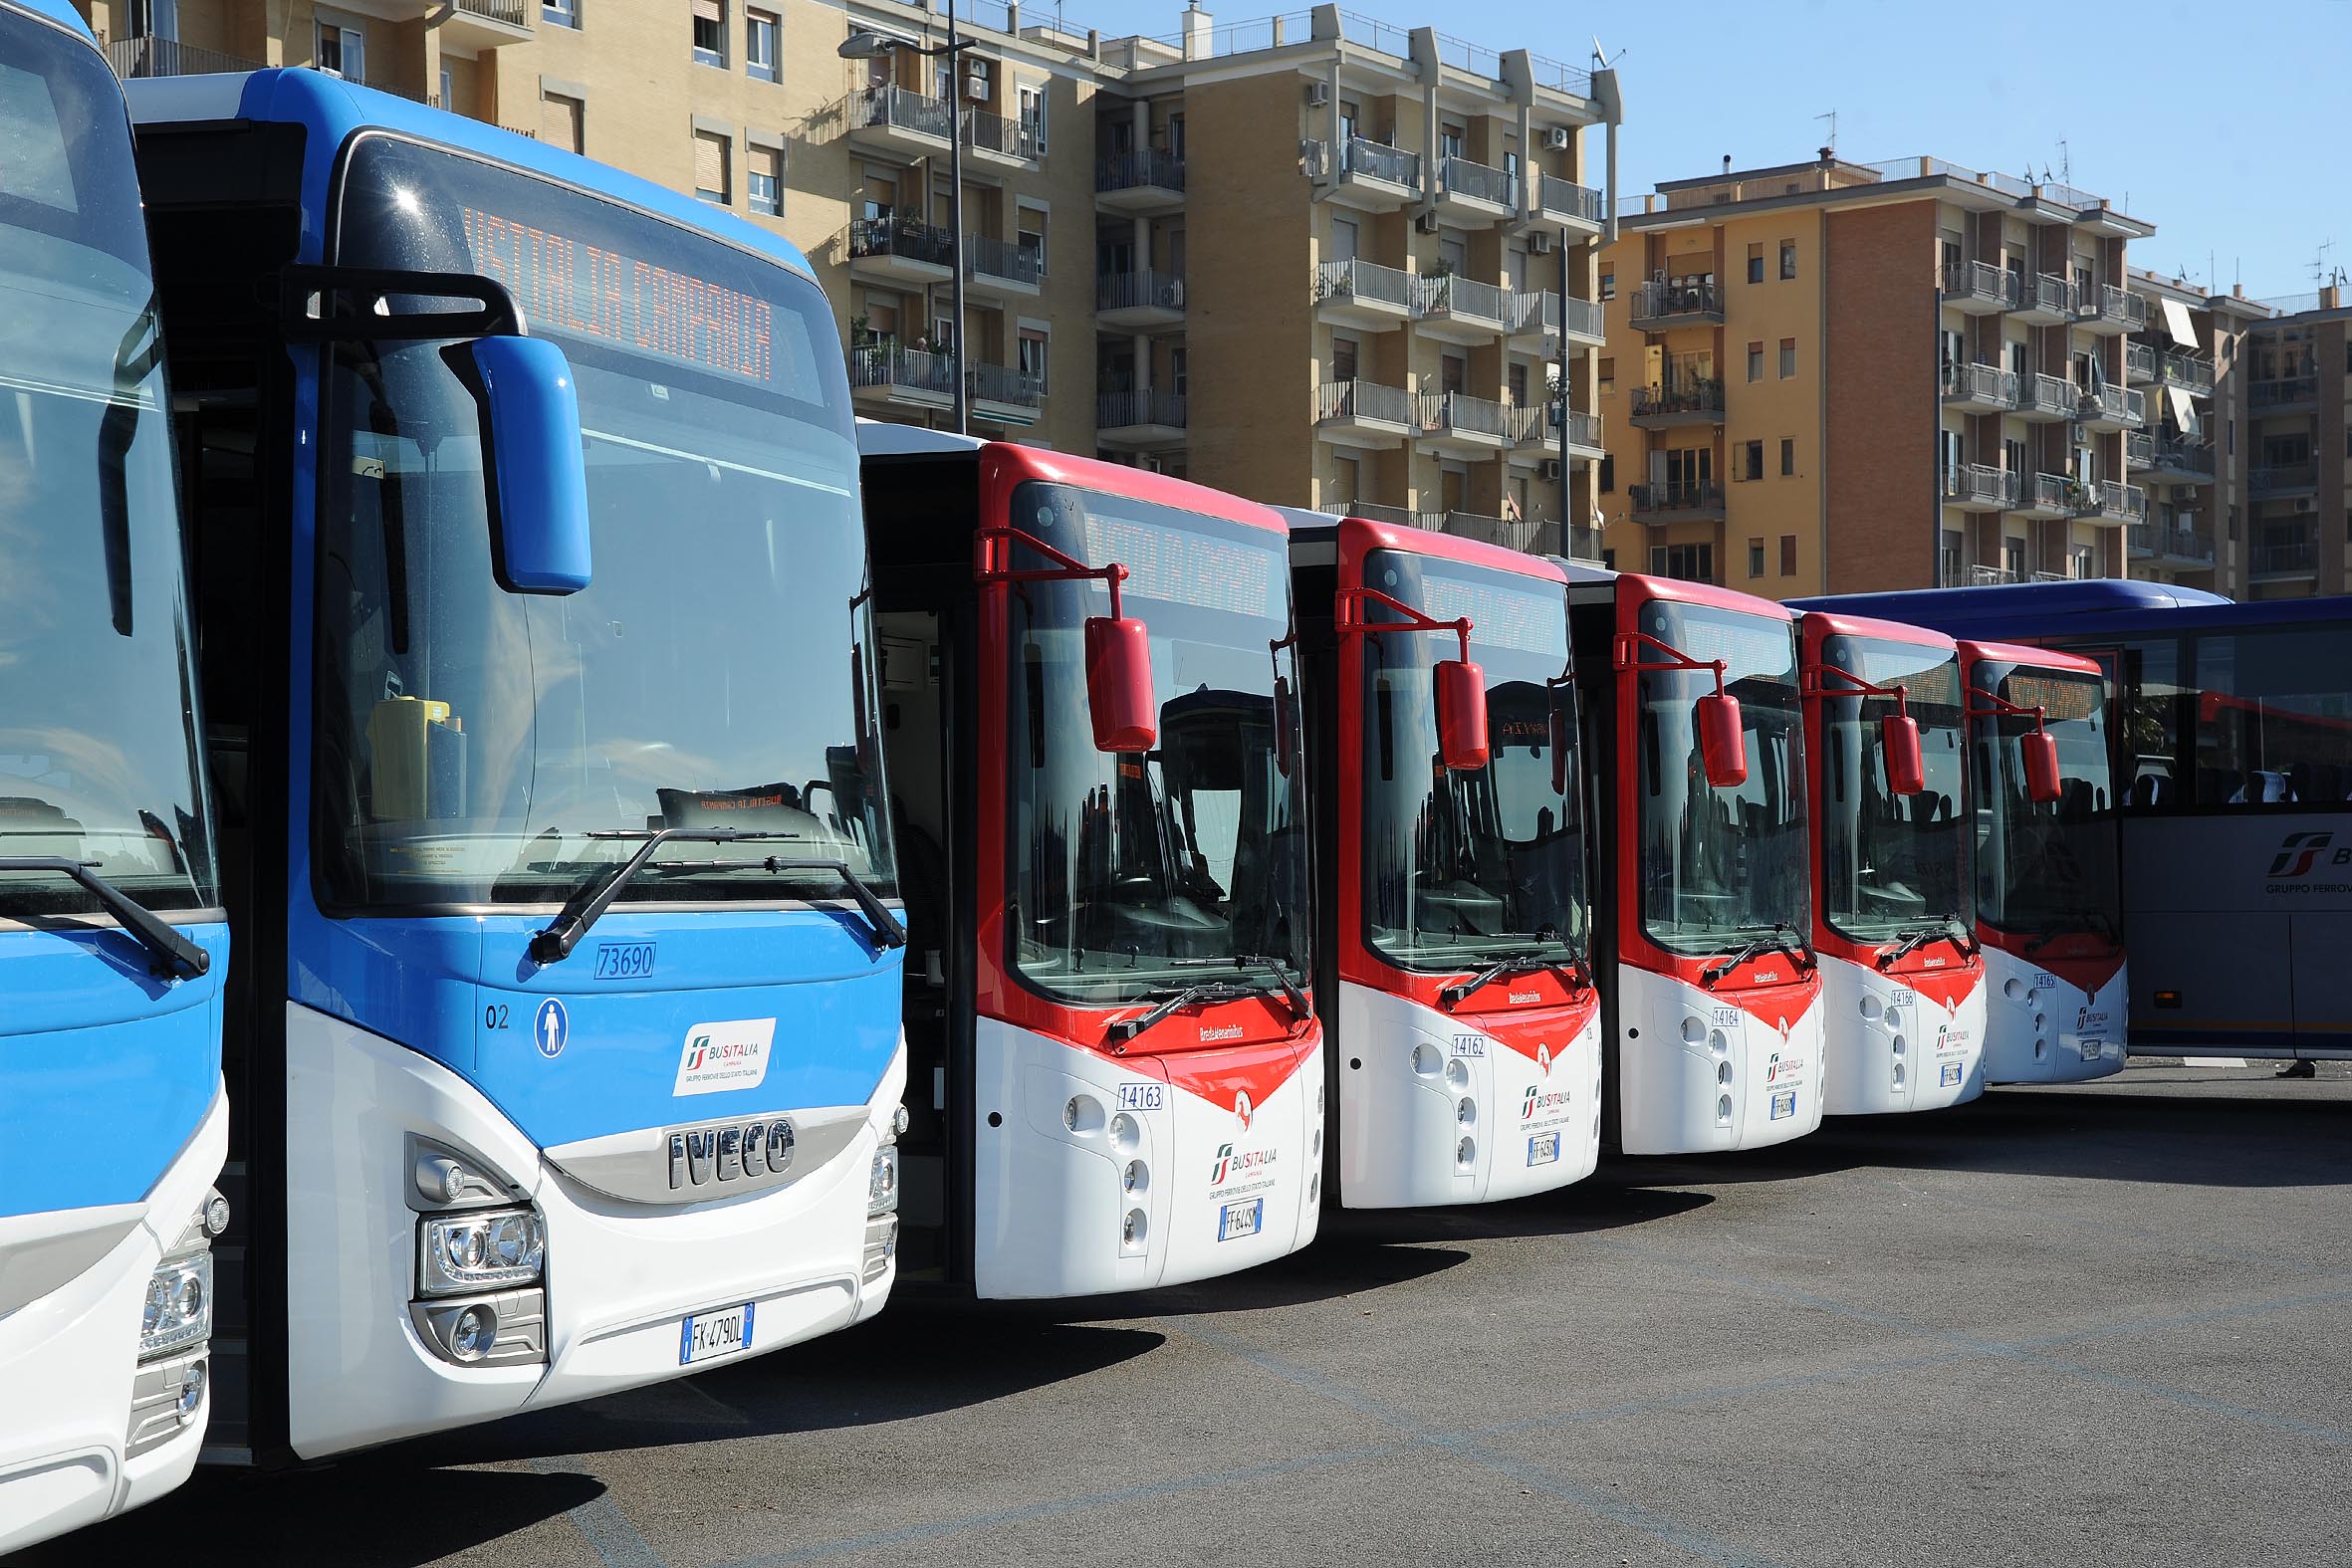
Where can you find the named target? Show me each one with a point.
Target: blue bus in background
(113, 942)
(531, 606)
(2233, 760)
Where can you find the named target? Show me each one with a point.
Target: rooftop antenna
(1831, 117)
(2320, 274)
(2065, 164)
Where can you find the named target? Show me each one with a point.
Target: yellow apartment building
(1313, 259)
(1834, 377)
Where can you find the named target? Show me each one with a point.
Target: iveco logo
(724, 1152)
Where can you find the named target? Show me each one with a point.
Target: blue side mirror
(538, 481)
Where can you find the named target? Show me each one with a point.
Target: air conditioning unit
(1425, 223)
(1318, 94)
(2305, 503)
(1150, 463)
(975, 88)
(1550, 469)
(1539, 242)
(1172, 296)
(1556, 137)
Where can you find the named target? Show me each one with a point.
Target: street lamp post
(869, 45)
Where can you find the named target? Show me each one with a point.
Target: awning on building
(2184, 416)
(2176, 320)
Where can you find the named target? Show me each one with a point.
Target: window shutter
(710, 162)
(559, 121)
(707, 11)
(767, 162)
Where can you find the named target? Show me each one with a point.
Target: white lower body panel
(1407, 1073)
(1887, 1047)
(68, 1360)
(2041, 1029)
(1057, 1210)
(1696, 1073)
(619, 1276)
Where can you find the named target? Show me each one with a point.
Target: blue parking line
(600, 1522)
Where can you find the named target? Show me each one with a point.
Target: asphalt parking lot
(2094, 1326)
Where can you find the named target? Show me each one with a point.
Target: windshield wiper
(1913, 938)
(175, 955)
(2090, 919)
(1301, 1009)
(585, 908)
(1574, 964)
(1781, 937)
(1173, 1001)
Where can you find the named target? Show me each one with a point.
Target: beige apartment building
(2296, 453)
(1834, 377)
(1317, 260)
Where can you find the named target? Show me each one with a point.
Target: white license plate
(2090, 1050)
(1544, 1149)
(1237, 1219)
(1950, 1074)
(1784, 1104)
(706, 1336)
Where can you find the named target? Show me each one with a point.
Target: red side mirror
(1907, 770)
(2041, 766)
(1283, 723)
(1723, 747)
(1461, 714)
(1119, 685)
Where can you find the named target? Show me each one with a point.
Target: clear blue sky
(2226, 125)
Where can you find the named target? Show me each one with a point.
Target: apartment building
(1313, 259)
(2295, 454)
(1834, 377)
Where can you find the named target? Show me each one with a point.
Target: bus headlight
(881, 1188)
(486, 1249)
(178, 1309)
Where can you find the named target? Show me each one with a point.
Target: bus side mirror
(1723, 747)
(1285, 711)
(537, 480)
(1907, 772)
(1118, 684)
(1461, 715)
(2041, 766)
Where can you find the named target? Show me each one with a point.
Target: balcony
(1563, 203)
(997, 269)
(1539, 318)
(898, 121)
(1463, 311)
(2174, 461)
(1364, 294)
(1004, 395)
(2285, 556)
(2269, 481)
(1368, 176)
(1689, 403)
(1993, 577)
(1676, 501)
(1397, 517)
(2045, 399)
(2109, 502)
(148, 56)
(2107, 309)
(1364, 414)
(2112, 408)
(2139, 364)
(1536, 435)
(2180, 545)
(2046, 496)
(487, 24)
(885, 373)
(1006, 144)
(2285, 394)
(1979, 387)
(901, 251)
(2046, 300)
(1664, 303)
(1140, 300)
(1980, 487)
(1134, 421)
(1978, 288)
(1583, 543)
(1470, 192)
(2186, 371)
(1455, 424)
(1139, 182)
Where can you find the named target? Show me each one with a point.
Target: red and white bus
(2056, 987)
(1709, 986)
(1115, 1073)
(1465, 1046)
(1902, 982)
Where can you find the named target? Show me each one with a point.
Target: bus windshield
(1891, 864)
(476, 746)
(99, 736)
(1721, 865)
(1460, 868)
(1133, 873)
(2045, 869)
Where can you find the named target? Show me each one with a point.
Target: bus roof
(1973, 653)
(881, 438)
(1835, 623)
(58, 11)
(878, 439)
(333, 108)
(2010, 609)
(1366, 534)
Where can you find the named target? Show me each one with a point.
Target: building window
(1179, 365)
(1036, 354)
(710, 167)
(1751, 460)
(1788, 554)
(762, 180)
(1787, 258)
(1343, 358)
(1690, 562)
(559, 13)
(1609, 375)
(1033, 236)
(1033, 117)
(1756, 263)
(560, 121)
(1517, 381)
(710, 32)
(1609, 284)
(1787, 457)
(448, 96)
(1755, 361)
(1608, 476)
(1787, 358)
(341, 52)
(1755, 557)
(759, 44)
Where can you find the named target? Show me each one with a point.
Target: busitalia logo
(1231, 1167)
(2298, 853)
(1537, 1098)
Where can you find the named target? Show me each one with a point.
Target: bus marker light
(1720, 1043)
(2168, 998)
(1132, 1230)
(1126, 1135)
(1723, 1110)
(1723, 1073)
(1457, 1074)
(1467, 1112)
(1135, 1177)
(1465, 1152)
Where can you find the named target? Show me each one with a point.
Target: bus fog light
(216, 1215)
(1720, 1043)
(1723, 1110)
(191, 1393)
(1135, 1177)
(471, 1336)
(1134, 1231)
(1723, 1073)
(1465, 1152)
(1899, 1044)
(1458, 1074)
(881, 1187)
(1467, 1112)
(2040, 1023)
(178, 1308)
(1124, 1133)
(898, 1120)
(1898, 1078)
(486, 1249)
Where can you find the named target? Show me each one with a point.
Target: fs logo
(1241, 1108)
(2298, 853)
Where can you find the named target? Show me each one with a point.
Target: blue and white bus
(529, 587)
(112, 943)
(2231, 748)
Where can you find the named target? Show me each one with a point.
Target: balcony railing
(2046, 394)
(887, 106)
(2118, 307)
(917, 369)
(1583, 429)
(2121, 404)
(1130, 291)
(1343, 281)
(1584, 318)
(2180, 457)
(1388, 405)
(2139, 361)
(1981, 283)
(1689, 397)
(908, 239)
(2282, 390)
(2048, 493)
(1980, 383)
(1583, 543)
(1147, 169)
(1369, 160)
(1149, 406)
(2186, 371)
(2139, 449)
(2108, 499)
(1466, 299)
(1478, 182)
(991, 132)
(1460, 413)
(1991, 576)
(2178, 543)
(148, 56)
(511, 13)
(2049, 293)
(2285, 557)
(2279, 479)
(1005, 384)
(987, 257)
(1665, 301)
(1981, 484)
(1566, 201)
(1675, 496)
